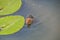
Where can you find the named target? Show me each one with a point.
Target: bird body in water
(29, 20)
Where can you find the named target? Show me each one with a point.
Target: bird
(29, 20)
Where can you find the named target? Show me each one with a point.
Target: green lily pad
(11, 24)
(9, 6)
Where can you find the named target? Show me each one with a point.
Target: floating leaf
(11, 24)
(9, 6)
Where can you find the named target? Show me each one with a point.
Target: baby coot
(29, 20)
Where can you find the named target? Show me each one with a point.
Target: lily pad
(9, 6)
(11, 24)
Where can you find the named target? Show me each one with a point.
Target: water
(47, 23)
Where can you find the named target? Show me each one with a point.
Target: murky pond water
(47, 25)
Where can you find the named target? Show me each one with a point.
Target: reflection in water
(47, 25)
